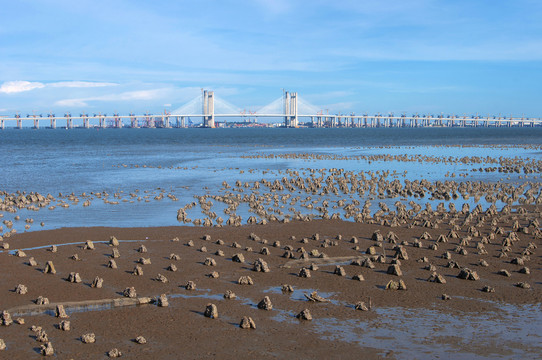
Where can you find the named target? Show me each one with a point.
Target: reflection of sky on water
(511, 331)
(437, 334)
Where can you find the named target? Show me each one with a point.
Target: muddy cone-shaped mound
(41, 336)
(468, 274)
(360, 305)
(172, 267)
(240, 258)
(138, 271)
(64, 325)
(265, 304)
(162, 301)
(161, 278)
(41, 300)
(523, 285)
(245, 280)
(140, 340)
(304, 273)
(21, 289)
(74, 277)
(49, 268)
(20, 253)
(190, 285)
(129, 292)
(114, 353)
(401, 253)
(304, 315)
(261, 266)
(395, 270)
(89, 338)
(229, 295)
(287, 288)
(47, 349)
(60, 312)
(145, 261)
(5, 319)
(209, 262)
(113, 241)
(211, 311)
(439, 279)
(97, 282)
(396, 285)
(339, 270)
(247, 323)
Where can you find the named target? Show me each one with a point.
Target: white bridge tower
(208, 109)
(290, 109)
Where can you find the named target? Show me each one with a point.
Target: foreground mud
(471, 287)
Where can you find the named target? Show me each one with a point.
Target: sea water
(194, 162)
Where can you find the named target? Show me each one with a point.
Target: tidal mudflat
(273, 250)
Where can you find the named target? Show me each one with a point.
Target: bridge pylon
(290, 109)
(208, 109)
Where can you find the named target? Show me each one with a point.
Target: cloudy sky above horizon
(346, 56)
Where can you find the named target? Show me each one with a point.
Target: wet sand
(412, 323)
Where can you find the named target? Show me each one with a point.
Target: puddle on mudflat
(299, 295)
(415, 333)
(206, 294)
(12, 252)
(73, 309)
(198, 293)
(284, 316)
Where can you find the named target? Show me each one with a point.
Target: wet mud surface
(401, 324)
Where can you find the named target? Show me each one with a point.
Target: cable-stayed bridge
(289, 111)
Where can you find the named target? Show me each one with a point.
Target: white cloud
(124, 96)
(11, 87)
(81, 84)
(167, 105)
(340, 106)
(72, 103)
(132, 95)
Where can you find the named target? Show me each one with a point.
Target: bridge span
(289, 117)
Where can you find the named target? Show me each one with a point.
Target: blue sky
(358, 56)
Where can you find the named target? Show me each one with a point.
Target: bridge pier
(117, 122)
(133, 122)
